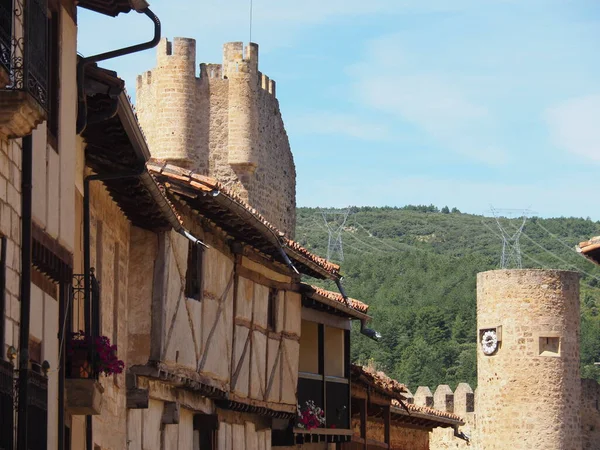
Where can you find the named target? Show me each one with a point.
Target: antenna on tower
(511, 249)
(250, 21)
(335, 220)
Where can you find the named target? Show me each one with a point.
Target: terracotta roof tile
(590, 248)
(379, 380)
(204, 183)
(427, 411)
(336, 296)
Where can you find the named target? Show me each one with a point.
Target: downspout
(3, 241)
(83, 62)
(25, 307)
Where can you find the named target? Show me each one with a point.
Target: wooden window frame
(322, 354)
(194, 280)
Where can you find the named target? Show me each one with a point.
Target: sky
(464, 103)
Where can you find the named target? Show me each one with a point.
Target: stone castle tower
(529, 387)
(224, 123)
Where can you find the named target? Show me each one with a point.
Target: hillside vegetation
(416, 267)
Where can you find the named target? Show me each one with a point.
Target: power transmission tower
(511, 249)
(335, 220)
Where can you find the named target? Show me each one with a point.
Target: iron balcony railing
(80, 357)
(24, 46)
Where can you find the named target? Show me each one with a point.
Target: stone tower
(222, 122)
(529, 388)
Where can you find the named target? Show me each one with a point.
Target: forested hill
(416, 267)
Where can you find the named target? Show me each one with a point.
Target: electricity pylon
(335, 220)
(511, 250)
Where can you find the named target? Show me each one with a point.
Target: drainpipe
(25, 307)
(83, 62)
(3, 241)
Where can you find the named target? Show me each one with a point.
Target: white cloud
(574, 126)
(438, 104)
(323, 122)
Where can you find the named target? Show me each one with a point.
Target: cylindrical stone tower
(166, 102)
(242, 72)
(529, 387)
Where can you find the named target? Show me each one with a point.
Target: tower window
(193, 275)
(549, 346)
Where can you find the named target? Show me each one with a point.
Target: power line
(537, 222)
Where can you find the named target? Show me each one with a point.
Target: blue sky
(462, 103)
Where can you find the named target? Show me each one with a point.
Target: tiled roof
(424, 410)
(190, 185)
(590, 249)
(380, 381)
(336, 296)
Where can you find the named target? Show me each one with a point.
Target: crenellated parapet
(221, 120)
(461, 401)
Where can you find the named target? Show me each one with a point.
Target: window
(193, 274)
(550, 346)
(272, 310)
(324, 371)
(53, 73)
(205, 431)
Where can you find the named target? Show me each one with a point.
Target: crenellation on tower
(443, 398)
(221, 123)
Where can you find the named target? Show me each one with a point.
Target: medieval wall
(225, 123)
(590, 414)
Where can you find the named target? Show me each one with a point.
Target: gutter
(83, 62)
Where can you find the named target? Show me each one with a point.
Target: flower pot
(84, 396)
(78, 365)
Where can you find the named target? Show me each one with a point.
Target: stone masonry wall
(10, 226)
(529, 388)
(110, 239)
(226, 123)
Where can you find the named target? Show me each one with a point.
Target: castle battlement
(460, 401)
(217, 119)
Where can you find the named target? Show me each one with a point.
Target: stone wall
(110, 242)
(226, 123)
(10, 227)
(529, 387)
(590, 414)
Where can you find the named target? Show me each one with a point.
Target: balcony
(84, 364)
(323, 384)
(24, 51)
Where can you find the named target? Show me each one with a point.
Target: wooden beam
(387, 417)
(266, 281)
(363, 421)
(138, 398)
